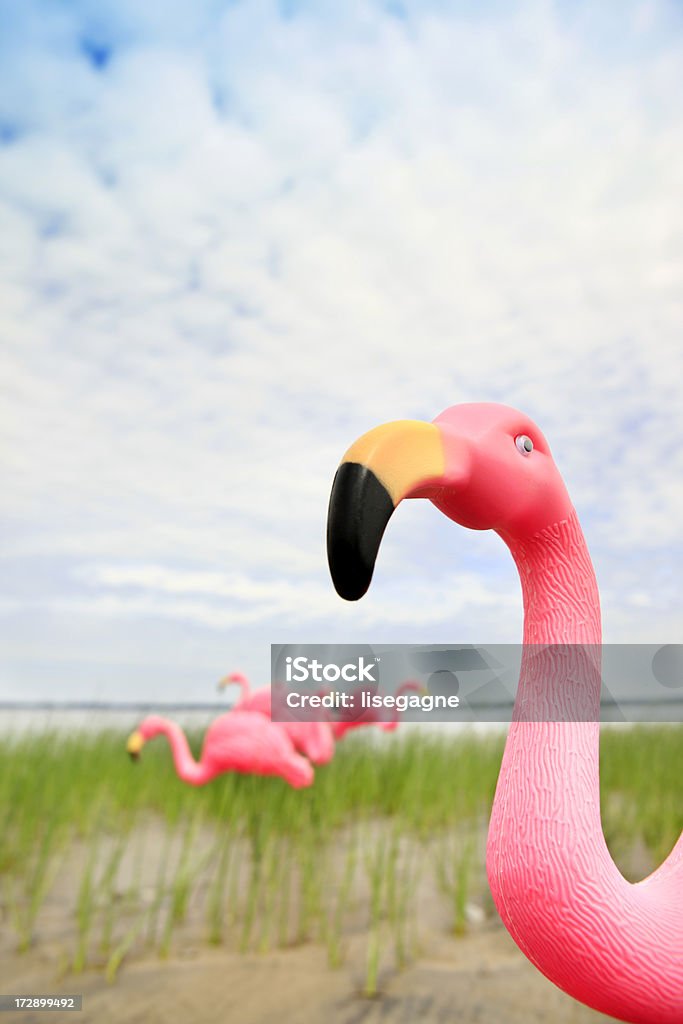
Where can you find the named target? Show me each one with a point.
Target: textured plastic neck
(612, 945)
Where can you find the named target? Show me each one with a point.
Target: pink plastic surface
(314, 739)
(613, 945)
(371, 716)
(240, 741)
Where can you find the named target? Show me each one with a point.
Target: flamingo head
(148, 728)
(233, 679)
(485, 466)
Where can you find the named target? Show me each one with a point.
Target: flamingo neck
(186, 767)
(238, 679)
(560, 678)
(559, 589)
(610, 944)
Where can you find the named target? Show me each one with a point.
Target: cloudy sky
(234, 236)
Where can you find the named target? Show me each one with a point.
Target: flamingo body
(239, 741)
(342, 726)
(314, 739)
(371, 716)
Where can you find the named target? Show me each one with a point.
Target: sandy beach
(481, 977)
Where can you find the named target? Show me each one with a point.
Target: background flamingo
(615, 946)
(236, 742)
(371, 716)
(313, 738)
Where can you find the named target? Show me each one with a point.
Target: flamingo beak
(233, 679)
(135, 744)
(403, 459)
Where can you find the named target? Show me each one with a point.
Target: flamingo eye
(524, 444)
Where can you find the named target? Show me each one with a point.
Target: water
(80, 718)
(20, 721)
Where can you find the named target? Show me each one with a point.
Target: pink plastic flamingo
(613, 945)
(236, 742)
(312, 738)
(371, 716)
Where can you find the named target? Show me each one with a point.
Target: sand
(480, 977)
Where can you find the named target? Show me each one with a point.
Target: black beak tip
(349, 586)
(134, 756)
(360, 508)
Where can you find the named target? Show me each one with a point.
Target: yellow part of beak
(135, 743)
(402, 455)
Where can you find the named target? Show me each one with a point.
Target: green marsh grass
(186, 874)
(339, 900)
(376, 867)
(454, 861)
(27, 889)
(134, 857)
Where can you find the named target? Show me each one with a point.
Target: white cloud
(247, 239)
